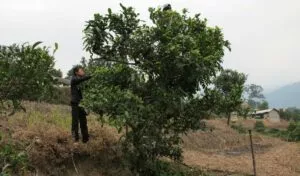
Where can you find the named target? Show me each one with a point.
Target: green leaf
(36, 44)
(55, 47)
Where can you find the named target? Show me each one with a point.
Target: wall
(273, 116)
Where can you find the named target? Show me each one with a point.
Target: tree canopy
(25, 73)
(254, 95)
(145, 78)
(229, 86)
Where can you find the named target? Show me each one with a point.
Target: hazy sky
(264, 34)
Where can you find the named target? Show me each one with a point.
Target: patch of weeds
(239, 128)
(56, 118)
(259, 126)
(292, 134)
(12, 160)
(164, 168)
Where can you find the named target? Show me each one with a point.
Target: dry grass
(225, 149)
(249, 124)
(283, 124)
(45, 133)
(221, 138)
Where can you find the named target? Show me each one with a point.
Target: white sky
(264, 34)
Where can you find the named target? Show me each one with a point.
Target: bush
(239, 128)
(259, 126)
(163, 168)
(274, 131)
(293, 132)
(25, 73)
(292, 126)
(12, 161)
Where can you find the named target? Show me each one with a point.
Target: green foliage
(253, 95)
(57, 73)
(293, 131)
(25, 73)
(59, 95)
(259, 126)
(263, 105)
(229, 86)
(254, 91)
(175, 169)
(239, 128)
(244, 111)
(145, 78)
(12, 161)
(290, 114)
(274, 131)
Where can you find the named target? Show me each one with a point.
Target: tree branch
(118, 61)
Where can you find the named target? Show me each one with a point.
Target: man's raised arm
(76, 80)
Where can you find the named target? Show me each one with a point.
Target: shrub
(239, 128)
(259, 126)
(12, 161)
(25, 74)
(274, 131)
(292, 126)
(293, 132)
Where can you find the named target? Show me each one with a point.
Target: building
(270, 114)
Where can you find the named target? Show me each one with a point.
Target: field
(226, 150)
(43, 133)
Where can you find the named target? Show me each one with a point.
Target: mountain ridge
(284, 97)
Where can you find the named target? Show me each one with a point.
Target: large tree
(263, 105)
(229, 86)
(146, 76)
(26, 72)
(254, 95)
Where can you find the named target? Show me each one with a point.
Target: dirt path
(281, 160)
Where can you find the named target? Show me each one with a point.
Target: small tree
(229, 86)
(145, 78)
(25, 73)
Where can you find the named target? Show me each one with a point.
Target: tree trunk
(228, 119)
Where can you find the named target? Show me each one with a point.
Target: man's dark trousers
(79, 116)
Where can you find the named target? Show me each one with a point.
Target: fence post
(252, 151)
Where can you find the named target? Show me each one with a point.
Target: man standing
(78, 112)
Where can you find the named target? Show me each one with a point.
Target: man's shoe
(85, 140)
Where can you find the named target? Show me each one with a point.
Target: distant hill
(287, 96)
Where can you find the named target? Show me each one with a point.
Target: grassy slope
(44, 133)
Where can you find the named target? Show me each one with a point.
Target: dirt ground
(226, 150)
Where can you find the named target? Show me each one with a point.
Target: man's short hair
(76, 68)
(167, 7)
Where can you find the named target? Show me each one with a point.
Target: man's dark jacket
(76, 90)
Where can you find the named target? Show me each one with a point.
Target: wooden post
(252, 151)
